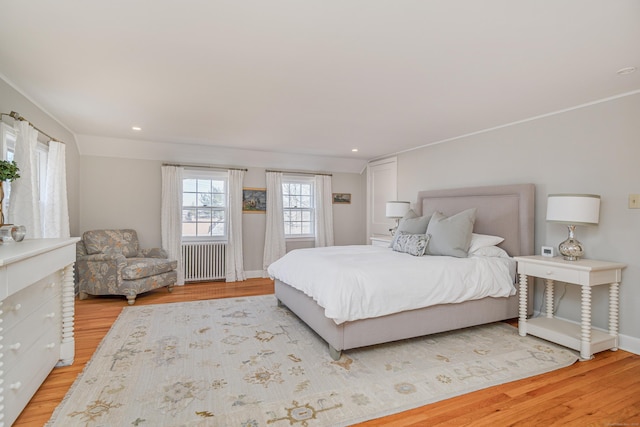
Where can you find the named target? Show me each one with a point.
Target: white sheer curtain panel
(56, 210)
(24, 203)
(234, 261)
(324, 211)
(171, 216)
(274, 243)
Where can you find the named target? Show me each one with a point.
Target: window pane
(304, 202)
(217, 187)
(188, 215)
(217, 229)
(218, 215)
(217, 200)
(204, 215)
(188, 199)
(204, 186)
(306, 190)
(189, 229)
(189, 185)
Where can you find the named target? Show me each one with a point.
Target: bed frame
(506, 211)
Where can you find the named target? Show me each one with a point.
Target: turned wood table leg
(523, 311)
(614, 307)
(549, 308)
(585, 344)
(67, 346)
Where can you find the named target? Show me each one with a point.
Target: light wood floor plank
(605, 390)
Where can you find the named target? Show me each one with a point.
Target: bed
(506, 211)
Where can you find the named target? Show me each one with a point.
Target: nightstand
(381, 240)
(585, 273)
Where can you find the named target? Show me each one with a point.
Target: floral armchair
(110, 262)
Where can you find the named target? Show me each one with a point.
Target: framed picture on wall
(254, 200)
(341, 198)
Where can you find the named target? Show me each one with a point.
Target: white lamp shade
(573, 209)
(397, 209)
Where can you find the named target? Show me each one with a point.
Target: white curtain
(274, 243)
(234, 261)
(171, 215)
(56, 210)
(324, 211)
(24, 203)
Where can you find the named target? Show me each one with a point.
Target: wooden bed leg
(335, 354)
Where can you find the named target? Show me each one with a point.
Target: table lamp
(573, 209)
(396, 209)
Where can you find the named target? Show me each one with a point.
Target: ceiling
(317, 77)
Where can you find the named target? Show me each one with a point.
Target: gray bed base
(506, 211)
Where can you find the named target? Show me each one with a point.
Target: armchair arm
(153, 253)
(100, 271)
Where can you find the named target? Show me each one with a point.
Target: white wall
(594, 149)
(126, 193)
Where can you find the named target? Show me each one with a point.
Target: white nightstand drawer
(549, 272)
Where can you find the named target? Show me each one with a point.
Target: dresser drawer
(25, 376)
(20, 305)
(23, 338)
(549, 272)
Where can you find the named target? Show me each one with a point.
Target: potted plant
(9, 171)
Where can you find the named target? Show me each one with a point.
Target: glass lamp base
(571, 249)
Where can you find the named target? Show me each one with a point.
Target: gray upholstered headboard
(506, 211)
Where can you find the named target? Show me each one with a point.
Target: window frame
(212, 175)
(297, 179)
(8, 139)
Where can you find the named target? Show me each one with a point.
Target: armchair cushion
(139, 268)
(111, 241)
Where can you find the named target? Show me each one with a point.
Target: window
(9, 136)
(299, 207)
(204, 205)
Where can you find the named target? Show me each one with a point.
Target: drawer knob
(50, 315)
(549, 271)
(15, 386)
(52, 284)
(15, 346)
(17, 307)
(50, 346)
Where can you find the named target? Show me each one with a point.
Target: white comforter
(358, 282)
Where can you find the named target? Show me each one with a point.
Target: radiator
(203, 261)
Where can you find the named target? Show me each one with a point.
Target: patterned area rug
(247, 362)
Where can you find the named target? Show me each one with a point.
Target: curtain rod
(203, 167)
(16, 116)
(300, 173)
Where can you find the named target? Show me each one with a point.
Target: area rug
(248, 362)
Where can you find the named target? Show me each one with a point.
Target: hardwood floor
(604, 391)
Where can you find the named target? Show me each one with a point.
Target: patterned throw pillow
(412, 244)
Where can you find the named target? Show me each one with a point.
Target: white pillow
(483, 240)
(492, 251)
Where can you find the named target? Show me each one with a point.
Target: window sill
(300, 239)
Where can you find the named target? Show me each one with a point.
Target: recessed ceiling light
(355, 150)
(626, 70)
(136, 128)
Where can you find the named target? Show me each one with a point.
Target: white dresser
(36, 317)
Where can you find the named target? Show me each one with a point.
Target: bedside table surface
(583, 264)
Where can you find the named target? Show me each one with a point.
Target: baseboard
(255, 274)
(625, 342)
